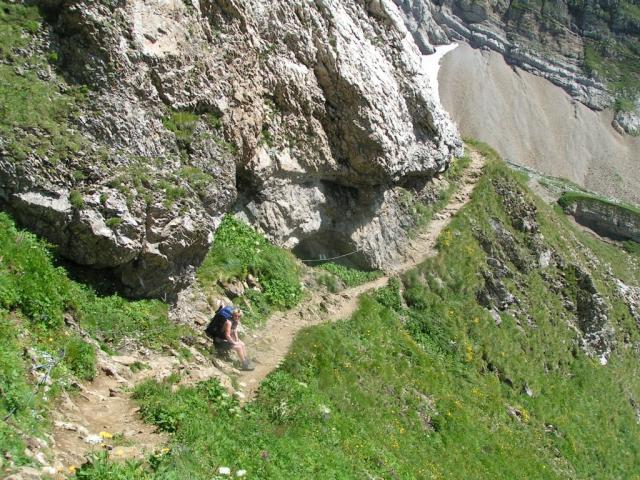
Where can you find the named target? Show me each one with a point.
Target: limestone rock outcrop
(306, 117)
(629, 121)
(606, 218)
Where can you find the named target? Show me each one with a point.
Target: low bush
(167, 408)
(632, 247)
(351, 277)
(182, 124)
(330, 281)
(80, 357)
(113, 319)
(238, 250)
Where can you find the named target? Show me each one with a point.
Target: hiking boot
(247, 367)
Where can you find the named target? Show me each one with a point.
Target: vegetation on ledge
(237, 251)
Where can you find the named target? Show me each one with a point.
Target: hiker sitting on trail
(223, 329)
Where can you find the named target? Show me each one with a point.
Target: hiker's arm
(234, 334)
(227, 332)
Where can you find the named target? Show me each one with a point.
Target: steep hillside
(513, 353)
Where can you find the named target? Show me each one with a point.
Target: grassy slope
(34, 113)
(34, 297)
(425, 392)
(238, 250)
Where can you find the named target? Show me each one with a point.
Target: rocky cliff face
(579, 46)
(309, 116)
(605, 218)
(306, 117)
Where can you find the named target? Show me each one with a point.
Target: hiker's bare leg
(244, 349)
(239, 349)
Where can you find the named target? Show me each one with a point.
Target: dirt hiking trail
(270, 344)
(103, 416)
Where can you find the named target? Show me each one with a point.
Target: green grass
(426, 391)
(632, 247)
(350, 277)
(424, 212)
(15, 392)
(34, 113)
(196, 178)
(168, 409)
(571, 197)
(237, 251)
(615, 62)
(113, 222)
(182, 124)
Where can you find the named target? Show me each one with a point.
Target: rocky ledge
(604, 217)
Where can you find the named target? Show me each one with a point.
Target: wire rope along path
(271, 344)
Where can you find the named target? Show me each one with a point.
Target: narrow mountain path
(104, 416)
(270, 344)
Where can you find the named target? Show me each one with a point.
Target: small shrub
(76, 200)
(389, 296)
(214, 121)
(138, 366)
(630, 246)
(182, 124)
(330, 281)
(350, 276)
(113, 222)
(80, 357)
(196, 178)
(167, 408)
(78, 175)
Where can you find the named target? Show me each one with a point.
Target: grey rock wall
(522, 38)
(606, 219)
(306, 117)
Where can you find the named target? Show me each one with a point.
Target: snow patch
(431, 65)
